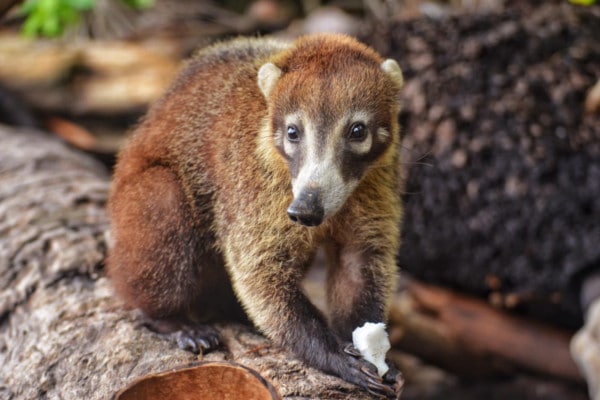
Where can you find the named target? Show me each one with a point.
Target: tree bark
(63, 334)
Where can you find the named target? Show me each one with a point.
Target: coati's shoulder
(223, 62)
(240, 50)
(231, 57)
(207, 79)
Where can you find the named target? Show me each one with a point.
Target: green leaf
(51, 17)
(51, 27)
(81, 5)
(139, 4)
(28, 6)
(582, 2)
(68, 16)
(32, 25)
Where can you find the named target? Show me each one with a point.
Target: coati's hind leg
(163, 260)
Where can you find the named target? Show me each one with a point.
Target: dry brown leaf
(73, 133)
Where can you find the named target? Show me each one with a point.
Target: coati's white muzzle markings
(319, 186)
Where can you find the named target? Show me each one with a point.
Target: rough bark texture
(62, 332)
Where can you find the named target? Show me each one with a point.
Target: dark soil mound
(503, 193)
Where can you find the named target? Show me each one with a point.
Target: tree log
(63, 334)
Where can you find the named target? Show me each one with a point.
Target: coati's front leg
(360, 284)
(357, 291)
(269, 287)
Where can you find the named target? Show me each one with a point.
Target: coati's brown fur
(199, 198)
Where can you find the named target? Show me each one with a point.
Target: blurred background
(501, 154)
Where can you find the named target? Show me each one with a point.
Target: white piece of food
(372, 341)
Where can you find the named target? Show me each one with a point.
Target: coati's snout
(318, 183)
(306, 209)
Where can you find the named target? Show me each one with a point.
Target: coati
(260, 152)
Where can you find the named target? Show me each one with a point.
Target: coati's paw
(352, 351)
(394, 377)
(196, 338)
(362, 373)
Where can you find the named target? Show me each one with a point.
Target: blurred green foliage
(50, 18)
(583, 2)
(139, 4)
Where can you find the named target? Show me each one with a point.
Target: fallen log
(62, 332)
(64, 335)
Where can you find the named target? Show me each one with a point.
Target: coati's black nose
(306, 209)
(306, 217)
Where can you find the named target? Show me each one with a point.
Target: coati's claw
(198, 339)
(394, 377)
(351, 350)
(185, 342)
(370, 372)
(381, 390)
(194, 338)
(386, 387)
(365, 375)
(385, 392)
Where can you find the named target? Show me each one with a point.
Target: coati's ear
(392, 68)
(268, 75)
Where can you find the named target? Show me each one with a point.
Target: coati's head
(333, 108)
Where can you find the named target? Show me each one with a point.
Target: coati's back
(206, 97)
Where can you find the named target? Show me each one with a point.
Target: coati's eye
(292, 133)
(358, 132)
